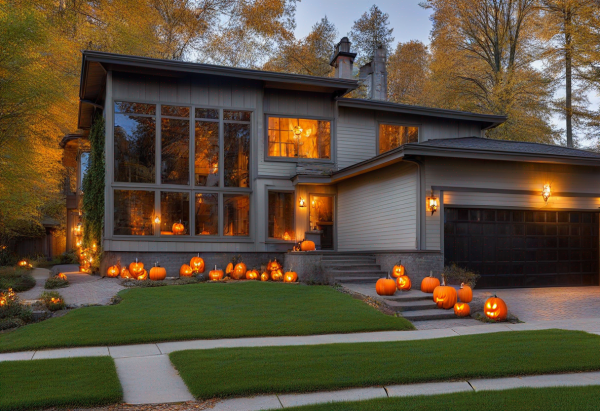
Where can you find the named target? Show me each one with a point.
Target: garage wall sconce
(302, 203)
(432, 203)
(546, 193)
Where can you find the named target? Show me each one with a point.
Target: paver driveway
(556, 303)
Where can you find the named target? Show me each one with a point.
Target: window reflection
(299, 138)
(207, 214)
(392, 136)
(175, 213)
(134, 142)
(206, 164)
(236, 215)
(175, 138)
(281, 215)
(133, 212)
(237, 154)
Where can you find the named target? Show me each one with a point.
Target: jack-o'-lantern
(444, 296)
(277, 275)
(290, 277)
(239, 271)
(229, 268)
(495, 309)
(113, 271)
(251, 275)
(215, 275)
(398, 270)
(178, 228)
(429, 283)
(307, 245)
(186, 271)
(385, 286)
(264, 276)
(62, 276)
(125, 274)
(403, 283)
(197, 264)
(465, 293)
(273, 265)
(462, 309)
(142, 276)
(158, 273)
(22, 263)
(136, 268)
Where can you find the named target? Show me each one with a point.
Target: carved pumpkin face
(465, 293)
(444, 297)
(23, 263)
(403, 283)
(197, 264)
(125, 273)
(429, 284)
(277, 275)
(264, 276)
(273, 265)
(251, 275)
(495, 309)
(141, 276)
(238, 272)
(385, 286)
(229, 268)
(178, 228)
(290, 277)
(215, 275)
(112, 271)
(185, 271)
(136, 268)
(398, 270)
(462, 309)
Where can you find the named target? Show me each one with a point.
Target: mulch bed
(182, 406)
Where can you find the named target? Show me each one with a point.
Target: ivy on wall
(93, 187)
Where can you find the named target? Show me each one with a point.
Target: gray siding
(377, 210)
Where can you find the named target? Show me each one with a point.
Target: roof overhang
(68, 138)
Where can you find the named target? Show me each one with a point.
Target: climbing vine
(93, 188)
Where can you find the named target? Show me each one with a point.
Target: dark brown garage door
(513, 248)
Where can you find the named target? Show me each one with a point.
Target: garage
(523, 248)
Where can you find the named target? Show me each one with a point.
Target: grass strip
(530, 399)
(247, 371)
(67, 382)
(206, 311)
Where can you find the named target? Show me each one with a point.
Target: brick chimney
(374, 76)
(343, 60)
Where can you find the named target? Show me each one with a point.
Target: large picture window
(207, 214)
(299, 138)
(175, 145)
(281, 215)
(134, 142)
(134, 210)
(392, 136)
(206, 140)
(236, 150)
(175, 213)
(236, 215)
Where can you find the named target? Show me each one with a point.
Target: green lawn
(530, 399)
(247, 371)
(246, 309)
(64, 382)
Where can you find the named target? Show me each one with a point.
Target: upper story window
(236, 148)
(299, 138)
(175, 145)
(392, 136)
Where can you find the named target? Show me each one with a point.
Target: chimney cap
(342, 49)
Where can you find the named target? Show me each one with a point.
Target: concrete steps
(351, 268)
(427, 315)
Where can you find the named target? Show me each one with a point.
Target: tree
(408, 72)
(310, 55)
(369, 32)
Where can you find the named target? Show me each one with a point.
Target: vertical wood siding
(377, 210)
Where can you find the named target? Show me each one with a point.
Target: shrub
(69, 257)
(56, 282)
(18, 279)
(11, 322)
(456, 275)
(52, 300)
(12, 310)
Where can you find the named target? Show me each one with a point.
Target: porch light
(432, 203)
(546, 193)
(302, 203)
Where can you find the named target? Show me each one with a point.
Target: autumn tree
(408, 73)
(370, 31)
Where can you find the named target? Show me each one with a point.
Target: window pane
(175, 111)
(281, 215)
(236, 115)
(133, 212)
(207, 214)
(175, 139)
(299, 138)
(392, 136)
(84, 162)
(207, 113)
(135, 139)
(237, 154)
(236, 214)
(206, 164)
(175, 213)
(134, 108)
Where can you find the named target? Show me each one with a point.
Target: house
(226, 161)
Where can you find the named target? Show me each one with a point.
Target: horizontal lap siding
(376, 211)
(355, 144)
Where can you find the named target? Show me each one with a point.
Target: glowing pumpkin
(113, 271)
(429, 283)
(136, 268)
(403, 283)
(264, 276)
(444, 296)
(238, 272)
(495, 309)
(215, 275)
(186, 271)
(178, 228)
(158, 273)
(197, 264)
(290, 277)
(273, 265)
(277, 275)
(462, 309)
(62, 276)
(385, 286)
(22, 263)
(398, 270)
(465, 294)
(307, 245)
(142, 276)
(125, 273)
(229, 268)
(251, 275)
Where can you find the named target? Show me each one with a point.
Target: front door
(321, 218)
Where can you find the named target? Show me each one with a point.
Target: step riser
(428, 317)
(409, 308)
(353, 280)
(353, 267)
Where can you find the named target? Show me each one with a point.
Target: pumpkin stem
(462, 285)
(431, 274)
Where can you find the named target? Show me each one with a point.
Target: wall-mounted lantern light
(302, 203)
(546, 192)
(432, 203)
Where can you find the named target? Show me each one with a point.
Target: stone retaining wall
(417, 264)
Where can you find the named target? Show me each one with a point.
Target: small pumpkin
(62, 276)
(229, 268)
(215, 275)
(398, 270)
(429, 283)
(239, 271)
(251, 275)
(178, 228)
(462, 309)
(385, 286)
(307, 245)
(264, 276)
(113, 271)
(136, 268)
(186, 271)
(23, 263)
(142, 276)
(403, 283)
(273, 265)
(290, 277)
(495, 309)
(465, 293)
(444, 296)
(125, 273)
(277, 275)
(158, 273)
(197, 264)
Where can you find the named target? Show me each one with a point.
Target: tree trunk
(568, 76)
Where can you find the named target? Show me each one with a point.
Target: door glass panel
(321, 218)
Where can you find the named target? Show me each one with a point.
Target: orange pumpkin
(444, 296)
(495, 309)
(142, 276)
(251, 275)
(465, 294)
(136, 268)
(307, 245)
(197, 264)
(158, 273)
(277, 275)
(403, 283)
(113, 271)
(385, 286)
(186, 271)
(177, 229)
(23, 263)
(229, 268)
(238, 272)
(273, 265)
(290, 277)
(264, 276)
(125, 273)
(215, 275)
(398, 270)
(462, 309)
(429, 283)
(62, 276)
